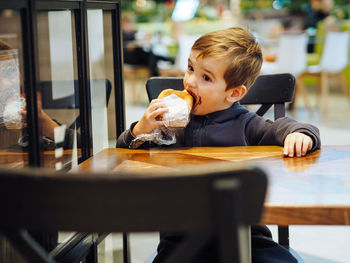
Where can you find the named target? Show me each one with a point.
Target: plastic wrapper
(177, 117)
(12, 117)
(9, 79)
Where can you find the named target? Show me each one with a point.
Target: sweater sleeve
(124, 140)
(264, 132)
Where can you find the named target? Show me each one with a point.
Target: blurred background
(158, 36)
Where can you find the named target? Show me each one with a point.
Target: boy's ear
(236, 93)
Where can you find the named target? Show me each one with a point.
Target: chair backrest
(268, 90)
(41, 200)
(335, 53)
(292, 52)
(100, 92)
(71, 101)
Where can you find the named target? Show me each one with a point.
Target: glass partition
(63, 56)
(13, 147)
(58, 94)
(101, 78)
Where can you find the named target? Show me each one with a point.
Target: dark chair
(267, 91)
(212, 200)
(72, 101)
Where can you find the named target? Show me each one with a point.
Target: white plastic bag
(12, 114)
(177, 117)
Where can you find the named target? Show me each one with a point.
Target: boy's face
(204, 80)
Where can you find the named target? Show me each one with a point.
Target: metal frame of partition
(27, 10)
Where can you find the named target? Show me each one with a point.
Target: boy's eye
(206, 78)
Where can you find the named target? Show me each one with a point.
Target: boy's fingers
(160, 111)
(291, 147)
(306, 146)
(157, 103)
(298, 145)
(156, 106)
(285, 148)
(289, 144)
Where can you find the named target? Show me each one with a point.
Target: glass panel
(13, 149)
(102, 79)
(58, 96)
(12, 108)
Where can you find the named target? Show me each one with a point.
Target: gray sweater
(235, 126)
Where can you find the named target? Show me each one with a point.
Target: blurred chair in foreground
(335, 58)
(291, 58)
(219, 202)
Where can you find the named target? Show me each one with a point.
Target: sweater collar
(221, 116)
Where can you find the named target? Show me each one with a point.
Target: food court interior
(295, 35)
(315, 244)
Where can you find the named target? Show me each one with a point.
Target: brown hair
(239, 48)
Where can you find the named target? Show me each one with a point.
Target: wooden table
(311, 190)
(18, 158)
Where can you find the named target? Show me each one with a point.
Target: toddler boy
(222, 66)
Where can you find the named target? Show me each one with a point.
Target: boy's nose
(191, 82)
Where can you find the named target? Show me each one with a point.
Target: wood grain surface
(314, 189)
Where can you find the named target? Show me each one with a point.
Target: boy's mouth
(196, 99)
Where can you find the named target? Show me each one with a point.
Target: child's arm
(296, 137)
(151, 119)
(297, 144)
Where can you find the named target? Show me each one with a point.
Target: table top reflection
(314, 189)
(18, 158)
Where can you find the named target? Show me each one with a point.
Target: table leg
(283, 236)
(126, 248)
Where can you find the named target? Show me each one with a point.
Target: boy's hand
(151, 119)
(297, 144)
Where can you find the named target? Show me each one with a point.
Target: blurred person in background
(137, 48)
(315, 12)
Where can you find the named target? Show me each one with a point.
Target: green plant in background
(147, 10)
(251, 6)
(341, 11)
(152, 11)
(293, 6)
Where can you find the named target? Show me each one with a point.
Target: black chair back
(72, 101)
(203, 202)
